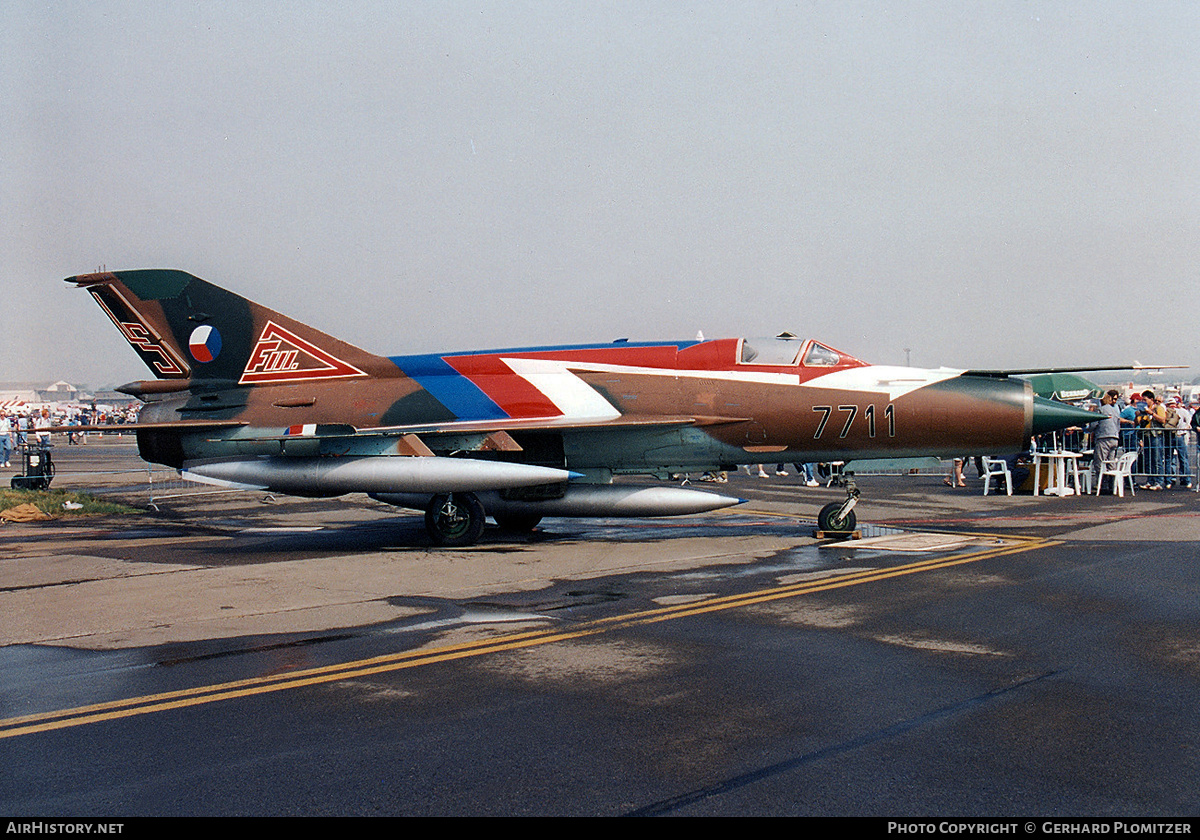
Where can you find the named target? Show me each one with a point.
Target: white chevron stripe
(882, 379)
(573, 397)
(577, 400)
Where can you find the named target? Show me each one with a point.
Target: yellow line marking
(129, 707)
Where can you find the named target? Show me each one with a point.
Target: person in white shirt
(41, 425)
(1178, 459)
(6, 439)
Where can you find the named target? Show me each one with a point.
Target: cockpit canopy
(788, 349)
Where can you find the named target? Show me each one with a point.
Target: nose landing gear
(837, 519)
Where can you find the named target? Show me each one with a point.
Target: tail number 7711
(851, 412)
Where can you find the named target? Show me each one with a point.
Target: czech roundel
(205, 343)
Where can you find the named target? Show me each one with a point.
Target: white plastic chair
(996, 467)
(1083, 473)
(1120, 469)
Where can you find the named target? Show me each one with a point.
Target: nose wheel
(454, 519)
(832, 520)
(837, 519)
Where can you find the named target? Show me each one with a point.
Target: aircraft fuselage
(616, 408)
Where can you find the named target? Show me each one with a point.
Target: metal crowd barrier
(152, 482)
(1165, 456)
(165, 483)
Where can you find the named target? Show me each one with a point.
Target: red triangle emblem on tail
(282, 356)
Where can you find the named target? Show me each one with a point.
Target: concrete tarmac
(971, 656)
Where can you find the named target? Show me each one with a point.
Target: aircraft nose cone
(1050, 416)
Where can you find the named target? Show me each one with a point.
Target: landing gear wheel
(517, 523)
(454, 519)
(827, 519)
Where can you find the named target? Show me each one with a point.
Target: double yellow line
(114, 709)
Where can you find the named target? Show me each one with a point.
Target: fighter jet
(244, 396)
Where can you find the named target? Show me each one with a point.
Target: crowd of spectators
(1160, 429)
(22, 426)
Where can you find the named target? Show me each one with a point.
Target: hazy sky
(990, 184)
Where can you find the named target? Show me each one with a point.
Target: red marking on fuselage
(519, 398)
(516, 396)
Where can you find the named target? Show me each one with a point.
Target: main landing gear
(457, 519)
(454, 519)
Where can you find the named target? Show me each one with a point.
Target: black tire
(454, 519)
(827, 519)
(517, 523)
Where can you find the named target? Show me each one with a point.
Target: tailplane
(187, 329)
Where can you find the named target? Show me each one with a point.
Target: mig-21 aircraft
(244, 396)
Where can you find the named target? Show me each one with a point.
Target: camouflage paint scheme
(237, 380)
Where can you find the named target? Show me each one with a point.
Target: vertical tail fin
(186, 328)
